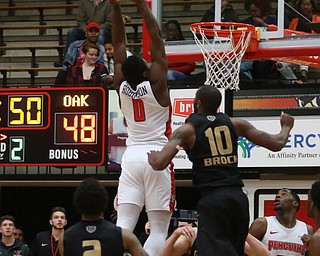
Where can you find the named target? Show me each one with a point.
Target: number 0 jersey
(101, 238)
(148, 122)
(214, 155)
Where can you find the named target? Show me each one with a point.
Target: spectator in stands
(259, 13)
(109, 61)
(228, 14)
(9, 245)
(99, 11)
(288, 12)
(89, 72)
(182, 70)
(75, 56)
(308, 9)
(259, 16)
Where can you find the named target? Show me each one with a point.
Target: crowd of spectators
(94, 26)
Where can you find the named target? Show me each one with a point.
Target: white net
(222, 55)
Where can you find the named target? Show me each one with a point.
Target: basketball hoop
(223, 45)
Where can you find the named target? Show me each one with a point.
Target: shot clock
(53, 126)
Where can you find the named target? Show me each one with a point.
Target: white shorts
(139, 184)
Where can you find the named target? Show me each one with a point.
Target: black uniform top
(214, 155)
(100, 238)
(18, 248)
(44, 244)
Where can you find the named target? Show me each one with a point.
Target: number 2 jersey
(100, 238)
(148, 122)
(214, 155)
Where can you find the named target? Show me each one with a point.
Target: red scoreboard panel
(53, 126)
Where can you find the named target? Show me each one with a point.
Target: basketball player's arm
(258, 228)
(273, 142)
(312, 243)
(132, 244)
(118, 40)
(306, 239)
(60, 244)
(184, 137)
(158, 69)
(180, 241)
(253, 247)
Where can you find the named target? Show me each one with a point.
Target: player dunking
(145, 103)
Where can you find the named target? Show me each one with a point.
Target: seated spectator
(75, 56)
(228, 14)
(259, 13)
(308, 9)
(99, 11)
(89, 72)
(259, 16)
(109, 61)
(288, 13)
(182, 70)
(287, 70)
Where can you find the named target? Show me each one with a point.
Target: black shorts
(223, 222)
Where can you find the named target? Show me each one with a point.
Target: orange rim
(209, 30)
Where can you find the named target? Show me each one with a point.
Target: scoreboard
(53, 126)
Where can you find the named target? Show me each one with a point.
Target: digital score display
(53, 126)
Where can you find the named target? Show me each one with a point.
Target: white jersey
(148, 122)
(282, 241)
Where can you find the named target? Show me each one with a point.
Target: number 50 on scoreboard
(53, 126)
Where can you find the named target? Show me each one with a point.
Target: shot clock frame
(53, 126)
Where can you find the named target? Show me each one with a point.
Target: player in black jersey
(94, 235)
(210, 140)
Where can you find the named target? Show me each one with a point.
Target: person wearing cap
(75, 55)
(98, 11)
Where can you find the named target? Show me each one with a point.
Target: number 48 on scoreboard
(53, 126)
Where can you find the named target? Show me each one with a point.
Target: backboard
(275, 43)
